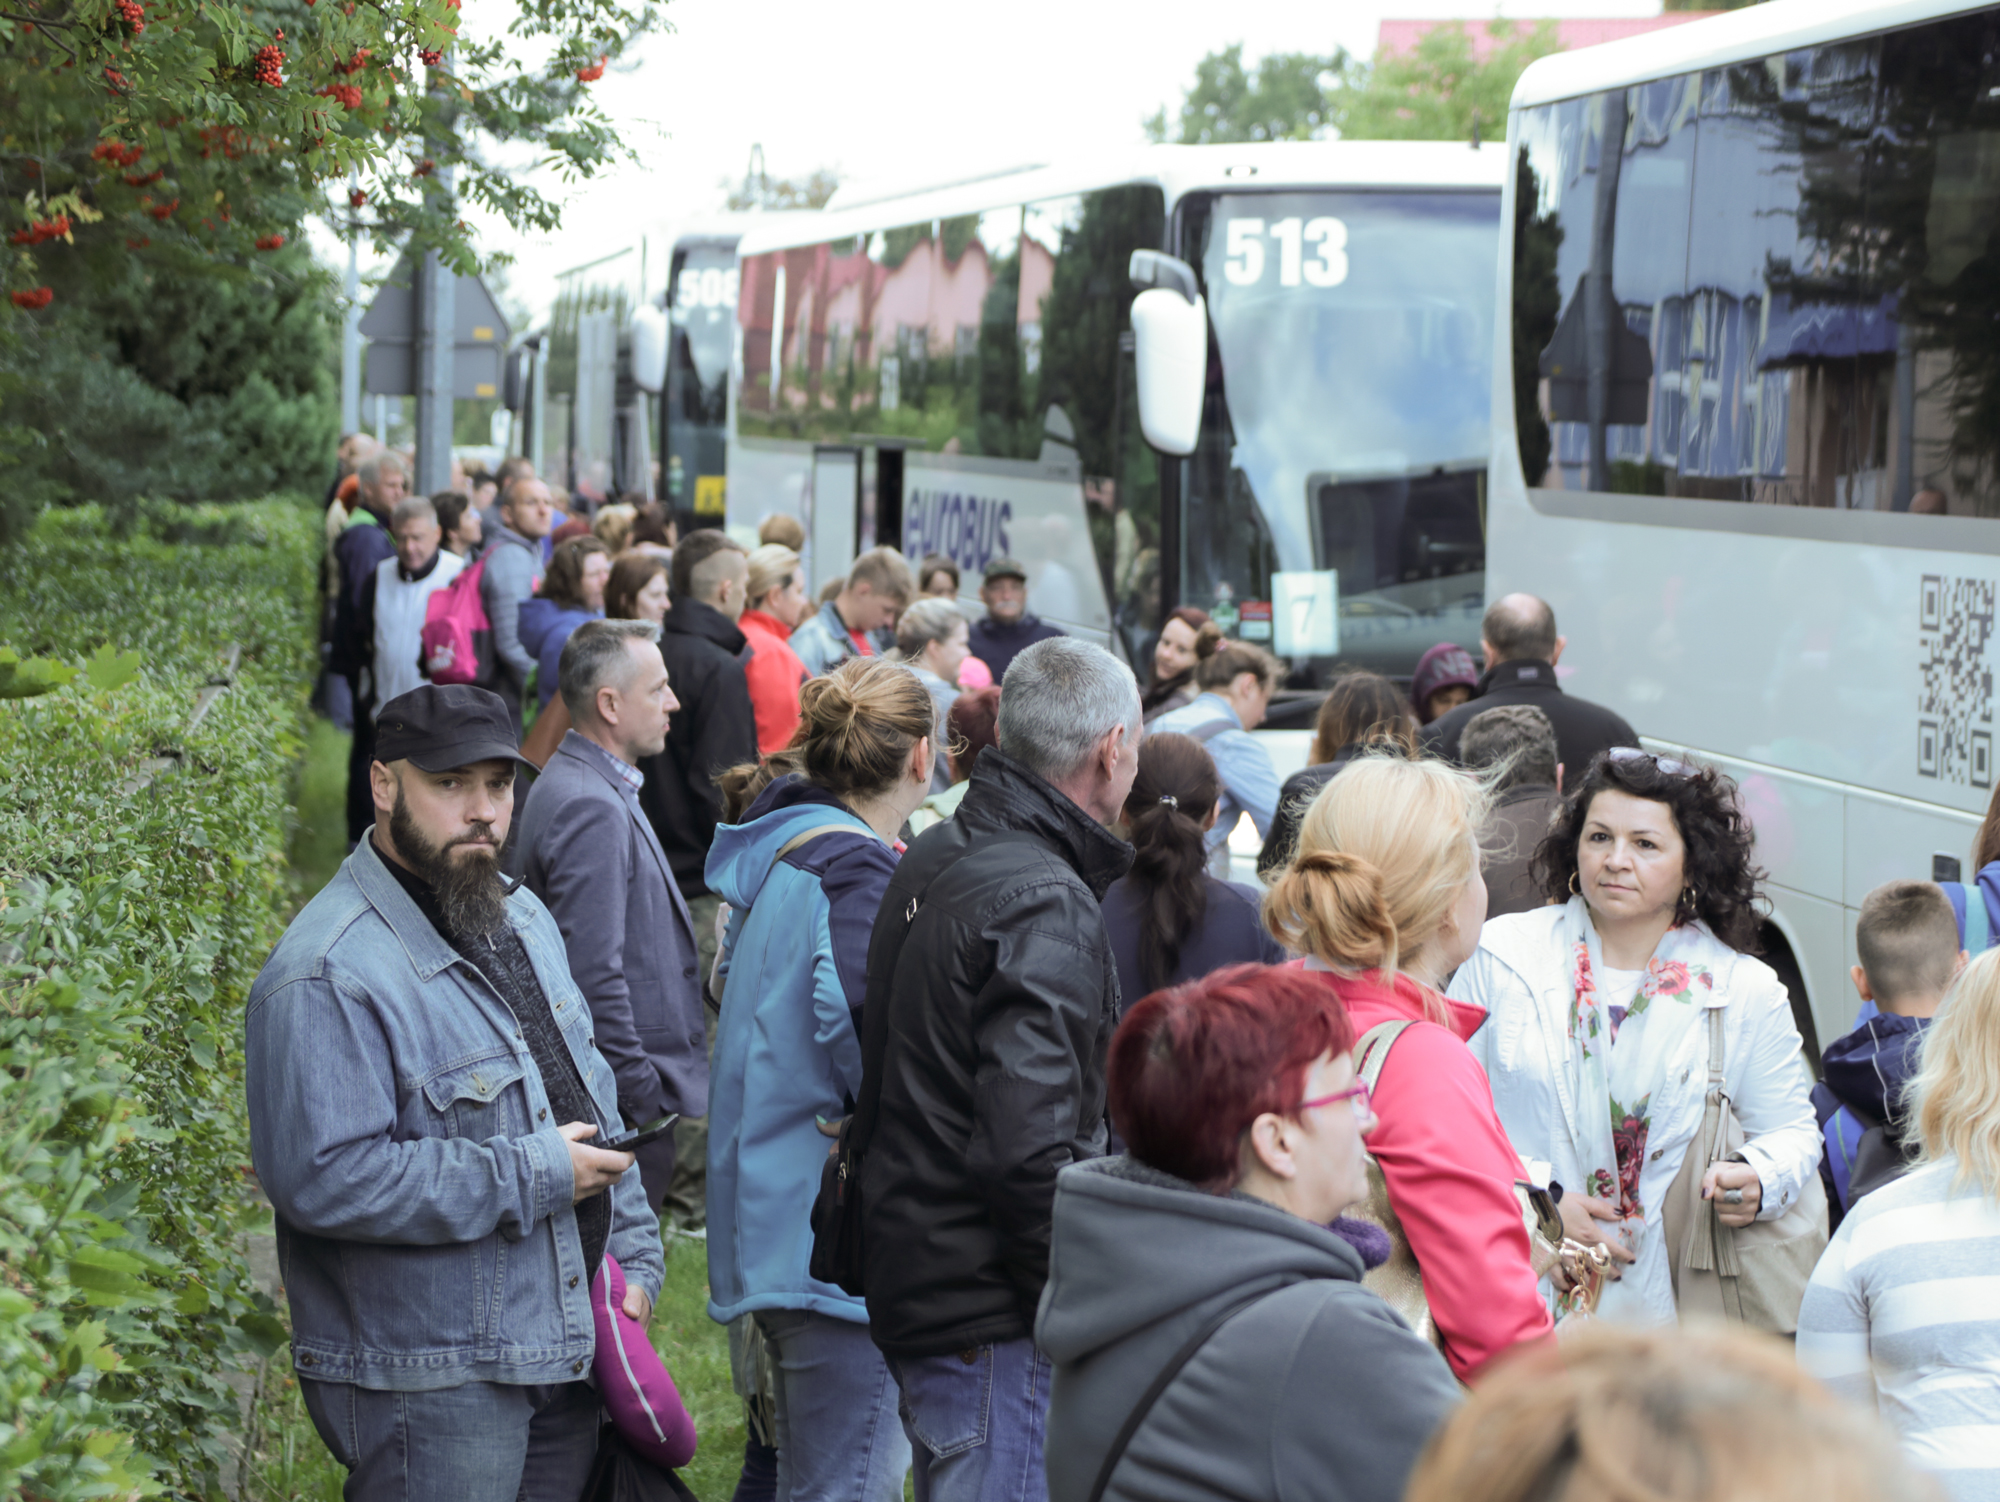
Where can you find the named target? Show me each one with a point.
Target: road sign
(479, 337)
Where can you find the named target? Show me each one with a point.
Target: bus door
(833, 522)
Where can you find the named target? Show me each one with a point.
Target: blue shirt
(1249, 781)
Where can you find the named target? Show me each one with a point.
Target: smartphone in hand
(639, 1136)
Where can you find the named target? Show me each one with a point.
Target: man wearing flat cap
(1007, 629)
(424, 1088)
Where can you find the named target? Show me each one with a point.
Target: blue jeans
(839, 1439)
(976, 1422)
(479, 1442)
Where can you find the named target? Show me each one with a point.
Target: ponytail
(1331, 905)
(1172, 796)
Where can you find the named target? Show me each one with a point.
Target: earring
(1572, 884)
(1691, 898)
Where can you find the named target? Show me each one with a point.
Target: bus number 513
(1244, 266)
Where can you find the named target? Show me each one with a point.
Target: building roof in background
(1396, 37)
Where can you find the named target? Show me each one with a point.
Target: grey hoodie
(1317, 1393)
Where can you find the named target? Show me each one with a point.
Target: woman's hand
(1739, 1179)
(1581, 1215)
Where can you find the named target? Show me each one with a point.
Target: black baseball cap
(1004, 568)
(439, 726)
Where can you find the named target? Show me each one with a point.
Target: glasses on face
(1665, 763)
(1357, 1093)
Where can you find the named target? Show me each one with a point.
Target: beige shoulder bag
(1755, 1275)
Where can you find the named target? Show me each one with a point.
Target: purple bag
(638, 1393)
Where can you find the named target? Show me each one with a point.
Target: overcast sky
(898, 89)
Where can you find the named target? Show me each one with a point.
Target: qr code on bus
(1955, 702)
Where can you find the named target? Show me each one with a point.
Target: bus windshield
(696, 402)
(1347, 424)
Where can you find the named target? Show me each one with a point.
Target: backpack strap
(812, 834)
(1978, 929)
(1164, 1380)
(1208, 732)
(1371, 1050)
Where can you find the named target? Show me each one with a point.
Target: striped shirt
(1903, 1314)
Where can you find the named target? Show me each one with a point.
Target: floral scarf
(1614, 1088)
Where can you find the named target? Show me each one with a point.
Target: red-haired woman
(1210, 1245)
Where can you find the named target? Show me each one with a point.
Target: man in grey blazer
(585, 848)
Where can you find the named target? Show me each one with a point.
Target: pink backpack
(458, 638)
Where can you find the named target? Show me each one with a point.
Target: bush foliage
(132, 921)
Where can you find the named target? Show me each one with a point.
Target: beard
(471, 893)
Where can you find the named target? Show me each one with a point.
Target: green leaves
(130, 929)
(109, 669)
(25, 678)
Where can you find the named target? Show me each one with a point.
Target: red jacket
(1450, 1171)
(775, 675)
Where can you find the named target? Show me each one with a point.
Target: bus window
(1346, 425)
(1801, 280)
(986, 347)
(696, 403)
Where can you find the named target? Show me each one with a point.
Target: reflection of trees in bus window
(1935, 213)
(993, 335)
(1834, 340)
(1537, 301)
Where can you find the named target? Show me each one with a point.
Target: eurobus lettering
(969, 530)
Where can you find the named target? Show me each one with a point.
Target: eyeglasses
(1665, 763)
(1356, 1092)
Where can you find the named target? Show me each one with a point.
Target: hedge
(142, 883)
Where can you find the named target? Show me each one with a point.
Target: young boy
(1907, 939)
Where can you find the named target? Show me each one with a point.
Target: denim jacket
(426, 1232)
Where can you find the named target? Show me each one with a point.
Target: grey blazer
(588, 852)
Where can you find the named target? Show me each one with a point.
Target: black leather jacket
(992, 996)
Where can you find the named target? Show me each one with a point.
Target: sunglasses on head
(1665, 763)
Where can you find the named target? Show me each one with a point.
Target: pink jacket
(1450, 1171)
(775, 675)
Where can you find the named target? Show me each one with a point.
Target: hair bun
(1207, 640)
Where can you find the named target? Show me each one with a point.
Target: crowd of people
(894, 953)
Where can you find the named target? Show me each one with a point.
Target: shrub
(134, 914)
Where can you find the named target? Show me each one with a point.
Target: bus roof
(1735, 36)
(1178, 170)
(726, 226)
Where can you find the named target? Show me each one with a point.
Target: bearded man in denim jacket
(423, 1088)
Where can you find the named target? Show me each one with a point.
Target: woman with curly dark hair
(1597, 1041)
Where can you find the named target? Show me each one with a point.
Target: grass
(319, 835)
(289, 1462)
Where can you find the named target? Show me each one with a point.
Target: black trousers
(360, 757)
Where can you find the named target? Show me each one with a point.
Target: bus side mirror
(1170, 350)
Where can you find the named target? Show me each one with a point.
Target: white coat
(1520, 974)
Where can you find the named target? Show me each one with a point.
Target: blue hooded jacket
(545, 628)
(1987, 884)
(1868, 1070)
(788, 1046)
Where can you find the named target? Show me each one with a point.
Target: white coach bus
(952, 371)
(1747, 424)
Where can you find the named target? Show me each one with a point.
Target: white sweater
(1903, 1315)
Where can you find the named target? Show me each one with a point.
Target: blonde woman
(1903, 1313)
(803, 871)
(777, 594)
(1384, 899)
(612, 526)
(1618, 1414)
